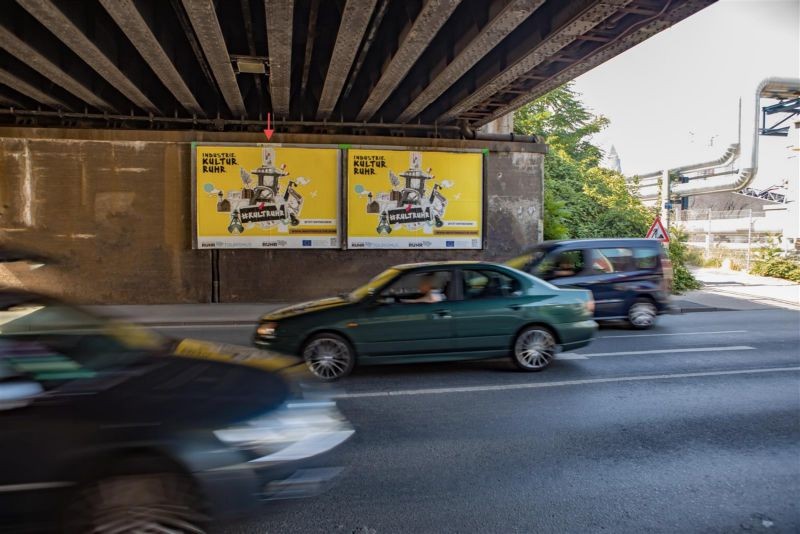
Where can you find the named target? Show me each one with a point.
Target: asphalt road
(693, 426)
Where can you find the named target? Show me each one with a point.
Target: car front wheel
(128, 503)
(329, 357)
(534, 348)
(642, 314)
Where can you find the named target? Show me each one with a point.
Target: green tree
(581, 199)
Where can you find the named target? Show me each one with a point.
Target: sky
(674, 98)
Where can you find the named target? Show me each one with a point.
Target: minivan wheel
(329, 357)
(152, 502)
(642, 314)
(534, 348)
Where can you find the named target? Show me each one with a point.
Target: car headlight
(295, 430)
(267, 329)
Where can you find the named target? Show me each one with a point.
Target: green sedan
(428, 312)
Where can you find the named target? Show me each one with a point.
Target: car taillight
(666, 270)
(590, 305)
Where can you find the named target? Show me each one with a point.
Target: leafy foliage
(581, 199)
(770, 262)
(682, 279)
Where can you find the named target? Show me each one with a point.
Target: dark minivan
(630, 278)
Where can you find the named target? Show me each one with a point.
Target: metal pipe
(215, 276)
(721, 183)
(482, 136)
(469, 133)
(730, 154)
(715, 184)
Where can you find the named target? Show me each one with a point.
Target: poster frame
(339, 181)
(345, 186)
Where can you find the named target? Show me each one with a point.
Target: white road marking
(676, 334)
(538, 385)
(570, 355)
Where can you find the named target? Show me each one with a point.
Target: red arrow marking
(269, 131)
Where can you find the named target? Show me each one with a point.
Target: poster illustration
(408, 199)
(266, 197)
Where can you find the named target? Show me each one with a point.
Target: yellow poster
(266, 196)
(407, 199)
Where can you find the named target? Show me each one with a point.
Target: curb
(705, 309)
(176, 324)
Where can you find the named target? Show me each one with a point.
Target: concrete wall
(113, 208)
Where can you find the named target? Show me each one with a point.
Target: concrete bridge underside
(435, 68)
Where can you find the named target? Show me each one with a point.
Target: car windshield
(378, 281)
(524, 261)
(53, 341)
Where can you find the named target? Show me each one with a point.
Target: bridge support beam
(21, 86)
(131, 22)
(430, 20)
(355, 19)
(24, 52)
(204, 20)
(498, 29)
(54, 19)
(280, 16)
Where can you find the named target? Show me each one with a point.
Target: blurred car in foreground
(111, 428)
(630, 278)
(434, 312)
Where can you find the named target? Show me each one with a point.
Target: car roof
(609, 241)
(450, 263)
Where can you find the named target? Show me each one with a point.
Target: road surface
(693, 426)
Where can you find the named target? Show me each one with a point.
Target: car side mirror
(16, 393)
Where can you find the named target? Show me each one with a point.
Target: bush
(682, 279)
(778, 268)
(694, 256)
(770, 262)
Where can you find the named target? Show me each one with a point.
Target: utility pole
(665, 202)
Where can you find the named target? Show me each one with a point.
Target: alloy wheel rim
(642, 314)
(535, 349)
(327, 358)
(134, 504)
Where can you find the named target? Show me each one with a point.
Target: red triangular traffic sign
(657, 231)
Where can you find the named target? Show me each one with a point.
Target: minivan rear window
(645, 258)
(612, 260)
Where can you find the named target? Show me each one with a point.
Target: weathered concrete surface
(114, 209)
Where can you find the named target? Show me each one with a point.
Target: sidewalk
(189, 314)
(734, 290)
(722, 291)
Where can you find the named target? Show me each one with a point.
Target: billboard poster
(409, 199)
(266, 197)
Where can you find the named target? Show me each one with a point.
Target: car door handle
(442, 314)
(516, 307)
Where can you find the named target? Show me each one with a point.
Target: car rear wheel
(534, 348)
(329, 357)
(152, 502)
(642, 314)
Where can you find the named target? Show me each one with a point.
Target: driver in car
(429, 293)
